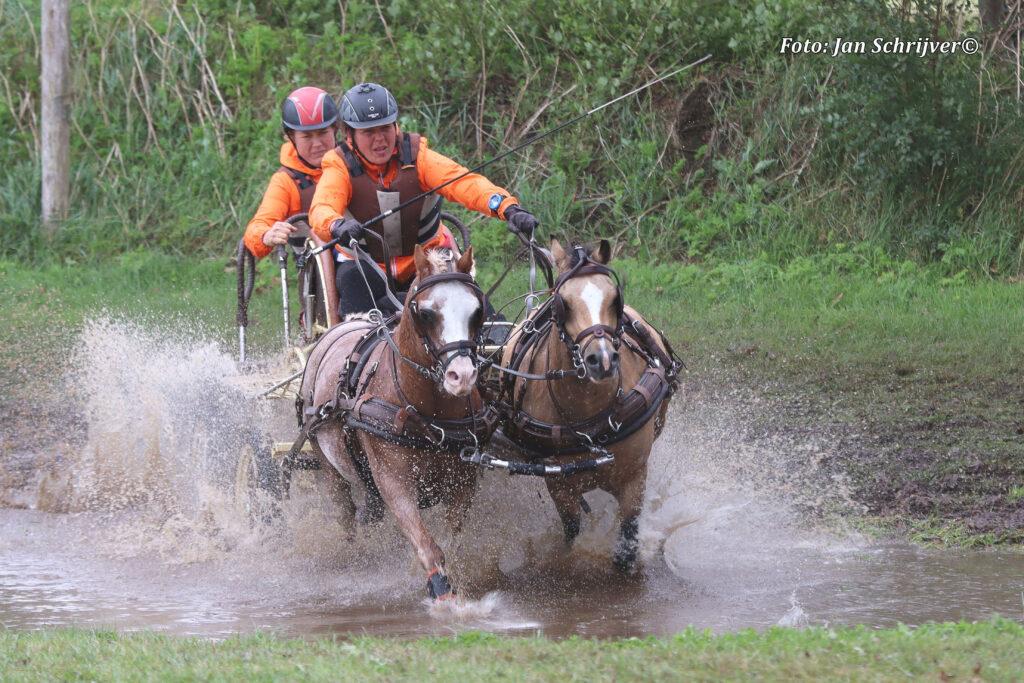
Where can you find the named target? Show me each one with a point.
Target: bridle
(442, 356)
(578, 345)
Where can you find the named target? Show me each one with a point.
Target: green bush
(800, 153)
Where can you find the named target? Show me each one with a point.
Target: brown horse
(392, 409)
(600, 383)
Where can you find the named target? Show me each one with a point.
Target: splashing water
(795, 617)
(157, 538)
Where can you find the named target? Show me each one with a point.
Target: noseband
(578, 345)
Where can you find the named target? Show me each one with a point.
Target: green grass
(982, 651)
(792, 318)
(44, 307)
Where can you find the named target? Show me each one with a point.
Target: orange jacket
(334, 191)
(280, 201)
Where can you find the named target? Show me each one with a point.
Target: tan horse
(395, 423)
(621, 370)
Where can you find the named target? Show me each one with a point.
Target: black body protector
(305, 184)
(415, 224)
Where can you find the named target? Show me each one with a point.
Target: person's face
(377, 143)
(312, 145)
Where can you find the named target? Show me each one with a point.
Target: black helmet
(308, 108)
(367, 105)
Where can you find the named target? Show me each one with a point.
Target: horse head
(587, 306)
(445, 307)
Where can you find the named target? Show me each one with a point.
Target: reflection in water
(51, 576)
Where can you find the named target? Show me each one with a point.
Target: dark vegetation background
(884, 162)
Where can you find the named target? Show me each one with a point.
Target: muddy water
(135, 525)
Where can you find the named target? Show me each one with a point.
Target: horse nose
(456, 377)
(460, 376)
(602, 363)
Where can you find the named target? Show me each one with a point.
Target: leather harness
(401, 424)
(626, 414)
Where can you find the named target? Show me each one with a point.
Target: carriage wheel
(460, 229)
(313, 282)
(259, 481)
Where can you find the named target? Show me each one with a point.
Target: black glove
(347, 229)
(520, 221)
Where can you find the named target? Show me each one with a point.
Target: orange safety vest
(290, 191)
(402, 231)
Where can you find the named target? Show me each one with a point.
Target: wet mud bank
(931, 456)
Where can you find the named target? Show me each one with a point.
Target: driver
(378, 167)
(309, 120)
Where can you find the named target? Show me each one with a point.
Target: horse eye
(426, 316)
(476, 319)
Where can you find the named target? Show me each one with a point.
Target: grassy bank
(913, 377)
(986, 651)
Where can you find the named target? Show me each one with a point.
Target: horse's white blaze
(457, 306)
(593, 297)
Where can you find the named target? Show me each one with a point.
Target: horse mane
(439, 264)
(574, 256)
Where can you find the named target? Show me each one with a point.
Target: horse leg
(397, 485)
(330, 445)
(566, 498)
(341, 492)
(458, 503)
(631, 498)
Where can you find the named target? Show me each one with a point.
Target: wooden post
(55, 132)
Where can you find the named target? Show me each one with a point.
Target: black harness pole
(528, 142)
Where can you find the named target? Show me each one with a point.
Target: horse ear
(422, 264)
(465, 263)
(561, 260)
(602, 253)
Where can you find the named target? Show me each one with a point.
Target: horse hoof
(438, 586)
(625, 557)
(627, 548)
(625, 562)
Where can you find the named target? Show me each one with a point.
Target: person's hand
(347, 229)
(278, 234)
(521, 221)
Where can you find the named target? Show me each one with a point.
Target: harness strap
(306, 186)
(611, 425)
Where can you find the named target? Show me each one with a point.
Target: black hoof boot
(628, 546)
(571, 526)
(438, 587)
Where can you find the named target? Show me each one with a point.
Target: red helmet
(308, 108)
